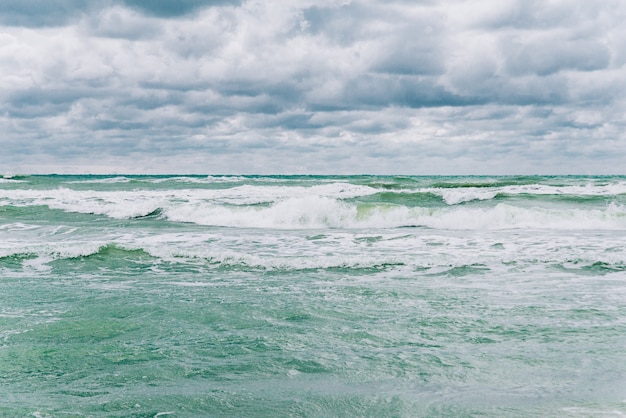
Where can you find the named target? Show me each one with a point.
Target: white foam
(107, 180)
(434, 250)
(17, 226)
(504, 216)
(453, 196)
(298, 212)
(51, 250)
(195, 180)
(116, 204)
(576, 411)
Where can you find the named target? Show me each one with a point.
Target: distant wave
(197, 180)
(106, 180)
(13, 177)
(454, 196)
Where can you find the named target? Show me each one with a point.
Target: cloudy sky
(409, 87)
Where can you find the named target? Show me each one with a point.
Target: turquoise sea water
(311, 296)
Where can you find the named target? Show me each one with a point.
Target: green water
(313, 297)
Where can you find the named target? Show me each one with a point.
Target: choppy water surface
(312, 296)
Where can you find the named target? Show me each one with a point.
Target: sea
(312, 296)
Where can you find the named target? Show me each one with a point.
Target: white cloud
(407, 87)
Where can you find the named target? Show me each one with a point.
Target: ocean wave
(321, 212)
(51, 250)
(18, 226)
(124, 257)
(592, 267)
(136, 203)
(340, 204)
(106, 180)
(197, 180)
(16, 177)
(119, 256)
(424, 251)
(315, 211)
(453, 196)
(251, 179)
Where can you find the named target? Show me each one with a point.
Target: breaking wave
(297, 253)
(340, 204)
(317, 211)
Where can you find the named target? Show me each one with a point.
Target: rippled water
(312, 296)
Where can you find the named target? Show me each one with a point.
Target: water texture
(312, 296)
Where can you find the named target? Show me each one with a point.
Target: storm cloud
(421, 87)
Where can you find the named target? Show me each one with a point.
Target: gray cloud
(173, 8)
(38, 13)
(34, 13)
(362, 86)
(546, 55)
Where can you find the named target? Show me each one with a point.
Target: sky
(313, 87)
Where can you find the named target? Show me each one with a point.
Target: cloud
(546, 55)
(42, 13)
(368, 86)
(123, 23)
(174, 8)
(36, 13)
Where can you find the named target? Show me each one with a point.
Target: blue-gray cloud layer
(37, 13)
(370, 86)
